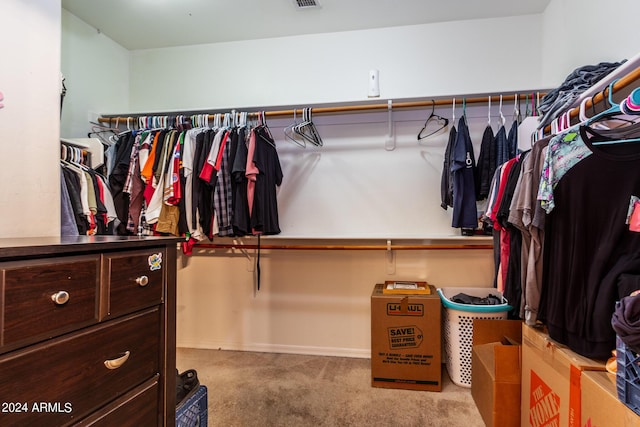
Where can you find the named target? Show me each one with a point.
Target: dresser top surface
(42, 246)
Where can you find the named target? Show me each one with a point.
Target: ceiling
(145, 24)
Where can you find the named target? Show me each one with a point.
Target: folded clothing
(557, 101)
(187, 384)
(462, 298)
(626, 321)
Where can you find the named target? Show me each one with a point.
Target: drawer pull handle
(142, 281)
(116, 363)
(60, 297)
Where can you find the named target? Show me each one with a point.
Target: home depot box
(495, 371)
(405, 340)
(551, 381)
(600, 404)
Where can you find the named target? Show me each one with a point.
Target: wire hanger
(290, 134)
(307, 128)
(262, 123)
(440, 123)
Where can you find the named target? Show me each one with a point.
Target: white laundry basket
(458, 328)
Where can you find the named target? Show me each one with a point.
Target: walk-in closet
(199, 199)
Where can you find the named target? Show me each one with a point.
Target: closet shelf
(333, 109)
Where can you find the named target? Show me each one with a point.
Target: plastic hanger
(614, 108)
(489, 112)
(453, 112)
(502, 119)
(634, 99)
(440, 122)
(582, 115)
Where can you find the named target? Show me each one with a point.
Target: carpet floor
(248, 389)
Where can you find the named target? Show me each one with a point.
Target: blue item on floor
(628, 376)
(193, 411)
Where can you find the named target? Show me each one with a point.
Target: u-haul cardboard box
(550, 394)
(405, 340)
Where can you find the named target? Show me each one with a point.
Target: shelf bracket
(390, 259)
(250, 259)
(390, 139)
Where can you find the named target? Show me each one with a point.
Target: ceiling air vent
(306, 4)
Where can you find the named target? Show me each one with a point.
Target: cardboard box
(496, 371)
(406, 341)
(551, 381)
(600, 404)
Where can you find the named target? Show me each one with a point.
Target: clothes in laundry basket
(463, 298)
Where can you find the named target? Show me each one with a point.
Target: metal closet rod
(346, 247)
(346, 108)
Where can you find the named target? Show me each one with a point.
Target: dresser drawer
(63, 380)
(135, 280)
(42, 299)
(137, 408)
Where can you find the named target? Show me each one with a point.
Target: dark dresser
(87, 331)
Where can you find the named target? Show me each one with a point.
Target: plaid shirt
(222, 197)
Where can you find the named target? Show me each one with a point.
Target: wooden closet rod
(625, 81)
(346, 108)
(438, 247)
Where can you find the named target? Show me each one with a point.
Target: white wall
(462, 57)
(310, 302)
(318, 302)
(96, 70)
(581, 32)
(30, 119)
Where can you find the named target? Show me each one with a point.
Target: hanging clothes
(134, 185)
(68, 225)
(512, 237)
(118, 177)
(88, 205)
(564, 152)
(463, 167)
(589, 248)
(264, 211)
(223, 195)
(502, 146)
(512, 140)
(446, 182)
(526, 214)
(191, 182)
(241, 214)
(487, 163)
